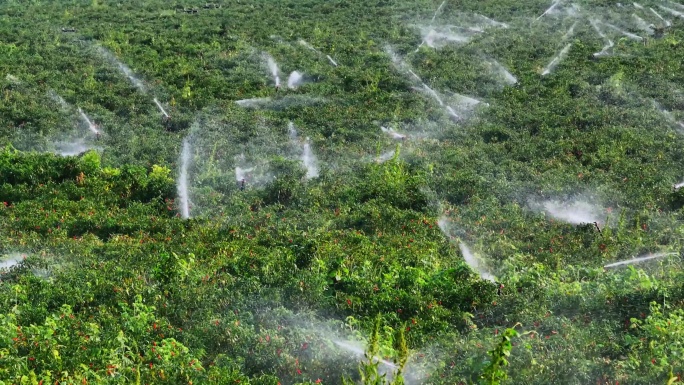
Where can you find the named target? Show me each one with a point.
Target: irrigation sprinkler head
(597, 227)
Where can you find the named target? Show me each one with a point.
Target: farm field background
(258, 191)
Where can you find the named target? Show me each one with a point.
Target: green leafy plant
(369, 369)
(495, 372)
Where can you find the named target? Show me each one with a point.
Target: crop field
(341, 192)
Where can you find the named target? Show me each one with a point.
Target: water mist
(92, 127)
(183, 195)
(163, 111)
(557, 59)
(309, 160)
(638, 260)
(273, 67)
(295, 80)
(471, 259)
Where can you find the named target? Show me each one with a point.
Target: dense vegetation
(288, 278)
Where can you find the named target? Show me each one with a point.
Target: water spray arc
(307, 156)
(182, 187)
(628, 34)
(672, 11)
(577, 212)
(295, 80)
(309, 46)
(638, 260)
(137, 83)
(331, 60)
(608, 42)
(472, 260)
(241, 175)
(420, 85)
(548, 10)
(92, 127)
(359, 351)
(309, 160)
(273, 68)
(502, 72)
(642, 24)
(667, 22)
(393, 134)
(556, 60)
(161, 109)
(570, 32)
(432, 21)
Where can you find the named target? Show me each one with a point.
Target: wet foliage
(270, 282)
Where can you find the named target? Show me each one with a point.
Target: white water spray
(10, 261)
(309, 46)
(667, 114)
(450, 111)
(160, 108)
(638, 260)
(471, 259)
(467, 101)
(571, 31)
(331, 60)
(672, 11)
(548, 10)
(309, 160)
(71, 148)
(241, 174)
(131, 77)
(359, 351)
(123, 68)
(628, 34)
(475, 263)
(424, 88)
(557, 59)
(594, 23)
(183, 194)
(439, 9)
(384, 157)
(291, 131)
(295, 80)
(604, 51)
(491, 22)
(609, 43)
(642, 24)
(431, 23)
(416, 77)
(577, 212)
(273, 67)
(438, 39)
(92, 127)
(667, 22)
(393, 134)
(59, 100)
(253, 103)
(433, 94)
(502, 72)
